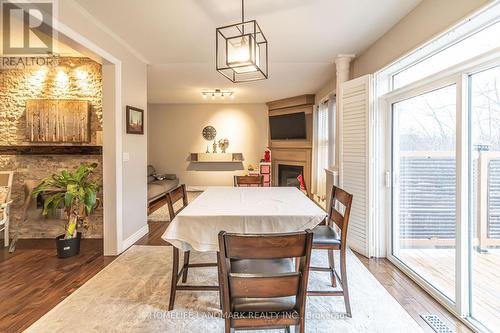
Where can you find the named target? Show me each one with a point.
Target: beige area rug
(162, 215)
(131, 295)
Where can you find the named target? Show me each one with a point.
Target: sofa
(159, 185)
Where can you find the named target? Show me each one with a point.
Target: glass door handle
(388, 180)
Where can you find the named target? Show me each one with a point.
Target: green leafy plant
(76, 192)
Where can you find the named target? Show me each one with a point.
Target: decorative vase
(223, 144)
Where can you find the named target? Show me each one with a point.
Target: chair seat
(325, 235)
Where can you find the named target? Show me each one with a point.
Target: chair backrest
(6, 178)
(248, 181)
(339, 196)
(270, 247)
(175, 195)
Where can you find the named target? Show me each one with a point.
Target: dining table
(245, 210)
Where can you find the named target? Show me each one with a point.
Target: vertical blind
(321, 150)
(332, 125)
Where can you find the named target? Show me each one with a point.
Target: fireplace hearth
(287, 175)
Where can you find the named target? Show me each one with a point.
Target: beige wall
(133, 92)
(428, 19)
(175, 132)
(326, 89)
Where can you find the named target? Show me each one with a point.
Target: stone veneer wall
(73, 78)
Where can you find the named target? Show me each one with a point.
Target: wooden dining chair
(174, 196)
(249, 181)
(257, 276)
(326, 237)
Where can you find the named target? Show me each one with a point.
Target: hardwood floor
(438, 266)
(33, 280)
(410, 295)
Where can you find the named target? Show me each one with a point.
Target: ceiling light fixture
(222, 93)
(241, 51)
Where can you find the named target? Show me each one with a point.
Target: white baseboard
(134, 237)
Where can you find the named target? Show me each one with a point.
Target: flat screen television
(288, 126)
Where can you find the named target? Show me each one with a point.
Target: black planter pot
(68, 247)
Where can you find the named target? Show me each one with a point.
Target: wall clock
(209, 133)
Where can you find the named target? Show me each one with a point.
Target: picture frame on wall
(135, 120)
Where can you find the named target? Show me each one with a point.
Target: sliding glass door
(424, 188)
(445, 190)
(484, 174)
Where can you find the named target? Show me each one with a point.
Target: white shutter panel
(355, 158)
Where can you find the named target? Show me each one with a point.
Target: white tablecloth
(241, 210)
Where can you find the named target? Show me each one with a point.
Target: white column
(342, 64)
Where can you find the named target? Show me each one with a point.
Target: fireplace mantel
(50, 150)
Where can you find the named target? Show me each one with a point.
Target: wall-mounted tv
(288, 126)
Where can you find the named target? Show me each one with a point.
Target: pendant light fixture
(241, 51)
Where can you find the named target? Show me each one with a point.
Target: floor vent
(437, 324)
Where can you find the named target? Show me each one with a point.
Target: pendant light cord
(242, 10)
(243, 16)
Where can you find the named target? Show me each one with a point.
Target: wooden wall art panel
(57, 120)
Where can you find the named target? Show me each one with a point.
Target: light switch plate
(126, 157)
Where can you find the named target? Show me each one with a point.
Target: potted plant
(77, 194)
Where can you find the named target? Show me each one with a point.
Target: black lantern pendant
(241, 51)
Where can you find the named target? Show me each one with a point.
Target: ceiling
(177, 39)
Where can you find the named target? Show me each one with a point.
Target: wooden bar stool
(327, 238)
(172, 197)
